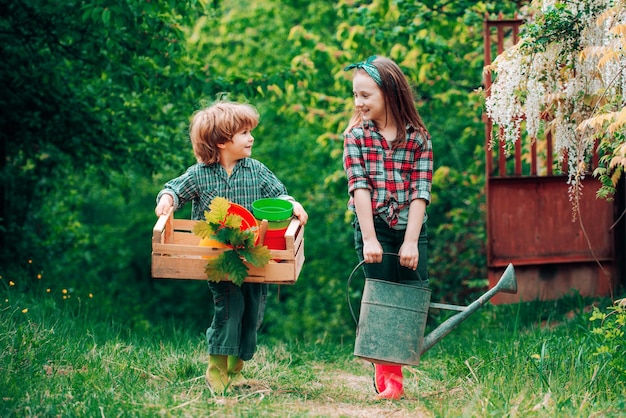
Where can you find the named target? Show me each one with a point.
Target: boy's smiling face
(240, 146)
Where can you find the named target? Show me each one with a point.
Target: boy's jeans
(238, 315)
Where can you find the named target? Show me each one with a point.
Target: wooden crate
(177, 255)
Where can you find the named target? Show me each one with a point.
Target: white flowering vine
(567, 75)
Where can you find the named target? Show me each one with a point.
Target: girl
(388, 162)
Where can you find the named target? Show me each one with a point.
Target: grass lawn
(533, 359)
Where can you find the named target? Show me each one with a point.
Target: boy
(221, 136)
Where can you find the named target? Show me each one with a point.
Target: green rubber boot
(217, 373)
(235, 378)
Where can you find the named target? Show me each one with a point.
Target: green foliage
(609, 172)
(216, 218)
(558, 24)
(609, 337)
(227, 265)
(90, 87)
(225, 227)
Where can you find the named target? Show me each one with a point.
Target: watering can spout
(506, 284)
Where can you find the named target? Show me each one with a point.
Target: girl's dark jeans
(390, 269)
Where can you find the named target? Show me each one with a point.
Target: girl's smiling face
(368, 98)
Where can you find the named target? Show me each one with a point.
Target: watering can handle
(350, 280)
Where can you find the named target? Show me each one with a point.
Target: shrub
(608, 335)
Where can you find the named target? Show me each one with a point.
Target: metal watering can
(392, 319)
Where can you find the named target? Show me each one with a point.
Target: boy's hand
(300, 213)
(165, 203)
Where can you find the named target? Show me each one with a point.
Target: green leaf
(241, 239)
(234, 267)
(597, 315)
(106, 17)
(217, 210)
(95, 14)
(239, 271)
(258, 256)
(204, 229)
(226, 266)
(233, 221)
(224, 235)
(215, 270)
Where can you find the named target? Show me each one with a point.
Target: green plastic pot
(272, 209)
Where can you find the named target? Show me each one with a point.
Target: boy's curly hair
(217, 124)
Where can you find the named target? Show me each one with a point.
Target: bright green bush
(608, 336)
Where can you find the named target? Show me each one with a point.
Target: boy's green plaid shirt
(250, 180)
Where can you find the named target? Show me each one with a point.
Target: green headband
(369, 68)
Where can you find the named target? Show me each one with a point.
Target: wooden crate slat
(184, 238)
(177, 255)
(193, 269)
(184, 224)
(186, 251)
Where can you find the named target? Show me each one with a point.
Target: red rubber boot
(379, 379)
(388, 382)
